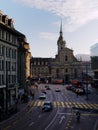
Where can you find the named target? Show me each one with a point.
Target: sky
(39, 21)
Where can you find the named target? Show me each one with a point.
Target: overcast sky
(40, 21)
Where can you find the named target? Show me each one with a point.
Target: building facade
(64, 66)
(94, 59)
(9, 61)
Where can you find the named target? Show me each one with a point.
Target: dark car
(43, 91)
(47, 88)
(79, 91)
(47, 106)
(70, 87)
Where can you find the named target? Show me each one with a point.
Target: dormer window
(10, 23)
(5, 19)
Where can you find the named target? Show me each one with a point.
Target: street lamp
(86, 82)
(6, 91)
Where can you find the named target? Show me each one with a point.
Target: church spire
(61, 43)
(61, 28)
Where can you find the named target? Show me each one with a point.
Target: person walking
(77, 93)
(78, 116)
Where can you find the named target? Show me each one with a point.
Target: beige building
(64, 66)
(24, 57)
(11, 65)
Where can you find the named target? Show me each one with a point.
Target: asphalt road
(62, 117)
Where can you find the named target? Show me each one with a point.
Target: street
(62, 117)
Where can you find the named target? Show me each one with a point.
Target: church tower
(61, 43)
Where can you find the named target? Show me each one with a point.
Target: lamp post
(86, 82)
(6, 91)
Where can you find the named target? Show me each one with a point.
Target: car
(47, 88)
(57, 90)
(42, 96)
(43, 91)
(47, 106)
(79, 91)
(70, 87)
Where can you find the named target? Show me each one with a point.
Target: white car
(58, 90)
(42, 96)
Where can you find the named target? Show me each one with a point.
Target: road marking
(62, 118)
(85, 114)
(52, 120)
(58, 103)
(66, 104)
(54, 103)
(31, 124)
(35, 103)
(39, 103)
(7, 127)
(94, 106)
(62, 103)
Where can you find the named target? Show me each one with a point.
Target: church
(64, 67)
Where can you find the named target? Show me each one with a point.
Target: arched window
(66, 58)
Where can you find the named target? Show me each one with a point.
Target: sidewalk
(19, 108)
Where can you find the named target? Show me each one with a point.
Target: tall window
(0, 79)
(1, 65)
(57, 73)
(66, 58)
(0, 49)
(0, 33)
(66, 70)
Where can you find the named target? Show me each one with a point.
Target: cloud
(76, 13)
(49, 36)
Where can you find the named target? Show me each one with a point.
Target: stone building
(64, 66)
(10, 66)
(24, 57)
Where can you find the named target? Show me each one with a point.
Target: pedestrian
(77, 93)
(78, 116)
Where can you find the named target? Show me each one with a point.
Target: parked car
(70, 87)
(47, 106)
(42, 96)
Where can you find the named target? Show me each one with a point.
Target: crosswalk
(66, 104)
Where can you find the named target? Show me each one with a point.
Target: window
(14, 66)
(0, 49)
(0, 33)
(66, 58)
(66, 70)
(14, 39)
(3, 79)
(0, 79)
(3, 50)
(13, 54)
(1, 64)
